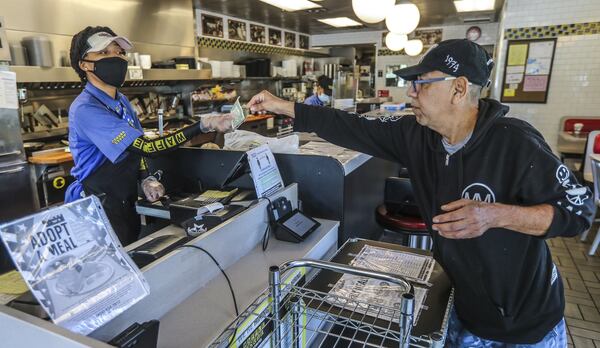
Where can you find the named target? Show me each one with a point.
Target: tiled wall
(575, 82)
(574, 86)
(527, 13)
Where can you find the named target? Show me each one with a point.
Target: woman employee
(322, 95)
(106, 137)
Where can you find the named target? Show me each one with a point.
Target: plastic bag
(242, 140)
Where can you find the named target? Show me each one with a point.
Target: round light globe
(413, 47)
(395, 42)
(372, 11)
(403, 18)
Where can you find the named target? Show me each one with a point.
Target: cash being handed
(238, 114)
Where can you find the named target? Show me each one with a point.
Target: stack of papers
(372, 294)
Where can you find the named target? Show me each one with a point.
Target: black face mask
(111, 70)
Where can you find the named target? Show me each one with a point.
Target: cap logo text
(451, 63)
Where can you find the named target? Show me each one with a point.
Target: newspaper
(73, 264)
(373, 294)
(415, 267)
(374, 297)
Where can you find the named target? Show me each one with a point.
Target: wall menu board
(527, 71)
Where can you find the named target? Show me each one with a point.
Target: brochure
(265, 173)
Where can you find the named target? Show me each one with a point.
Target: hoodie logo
(382, 118)
(479, 192)
(576, 194)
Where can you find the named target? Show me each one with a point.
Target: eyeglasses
(416, 84)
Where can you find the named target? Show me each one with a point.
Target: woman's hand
(217, 123)
(153, 189)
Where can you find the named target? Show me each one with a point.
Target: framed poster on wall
(236, 30)
(290, 40)
(212, 25)
(303, 42)
(527, 71)
(274, 37)
(258, 34)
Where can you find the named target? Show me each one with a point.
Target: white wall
(526, 13)
(489, 36)
(575, 81)
(350, 38)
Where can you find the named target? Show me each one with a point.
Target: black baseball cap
(456, 57)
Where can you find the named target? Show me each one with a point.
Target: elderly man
(488, 186)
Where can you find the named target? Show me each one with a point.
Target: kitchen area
(189, 61)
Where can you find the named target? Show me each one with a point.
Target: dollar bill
(238, 114)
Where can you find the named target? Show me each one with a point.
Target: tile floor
(581, 278)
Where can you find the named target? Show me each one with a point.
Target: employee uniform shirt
(100, 128)
(313, 100)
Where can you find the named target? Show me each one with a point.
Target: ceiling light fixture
(372, 11)
(395, 42)
(292, 5)
(413, 47)
(340, 22)
(474, 5)
(403, 18)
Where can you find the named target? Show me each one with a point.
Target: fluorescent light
(340, 22)
(292, 5)
(474, 5)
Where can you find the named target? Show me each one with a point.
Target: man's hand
(265, 101)
(217, 123)
(153, 189)
(465, 218)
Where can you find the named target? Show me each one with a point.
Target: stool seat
(400, 223)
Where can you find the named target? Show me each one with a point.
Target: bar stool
(596, 177)
(400, 217)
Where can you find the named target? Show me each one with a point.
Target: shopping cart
(288, 314)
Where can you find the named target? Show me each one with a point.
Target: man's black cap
(456, 57)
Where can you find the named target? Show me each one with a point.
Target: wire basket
(288, 315)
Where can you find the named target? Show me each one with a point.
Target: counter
(330, 187)
(187, 293)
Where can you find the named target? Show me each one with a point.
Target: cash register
(225, 193)
(189, 207)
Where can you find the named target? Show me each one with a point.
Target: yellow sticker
(58, 182)
(517, 54)
(509, 92)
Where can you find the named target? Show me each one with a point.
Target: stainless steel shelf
(56, 132)
(36, 74)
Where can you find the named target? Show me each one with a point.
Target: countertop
(200, 318)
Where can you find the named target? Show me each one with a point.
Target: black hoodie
(507, 288)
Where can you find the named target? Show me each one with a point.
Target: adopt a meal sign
(73, 263)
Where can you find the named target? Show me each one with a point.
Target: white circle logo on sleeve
(479, 192)
(576, 194)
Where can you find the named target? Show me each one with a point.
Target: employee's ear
(85, 66)
(460, 90)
